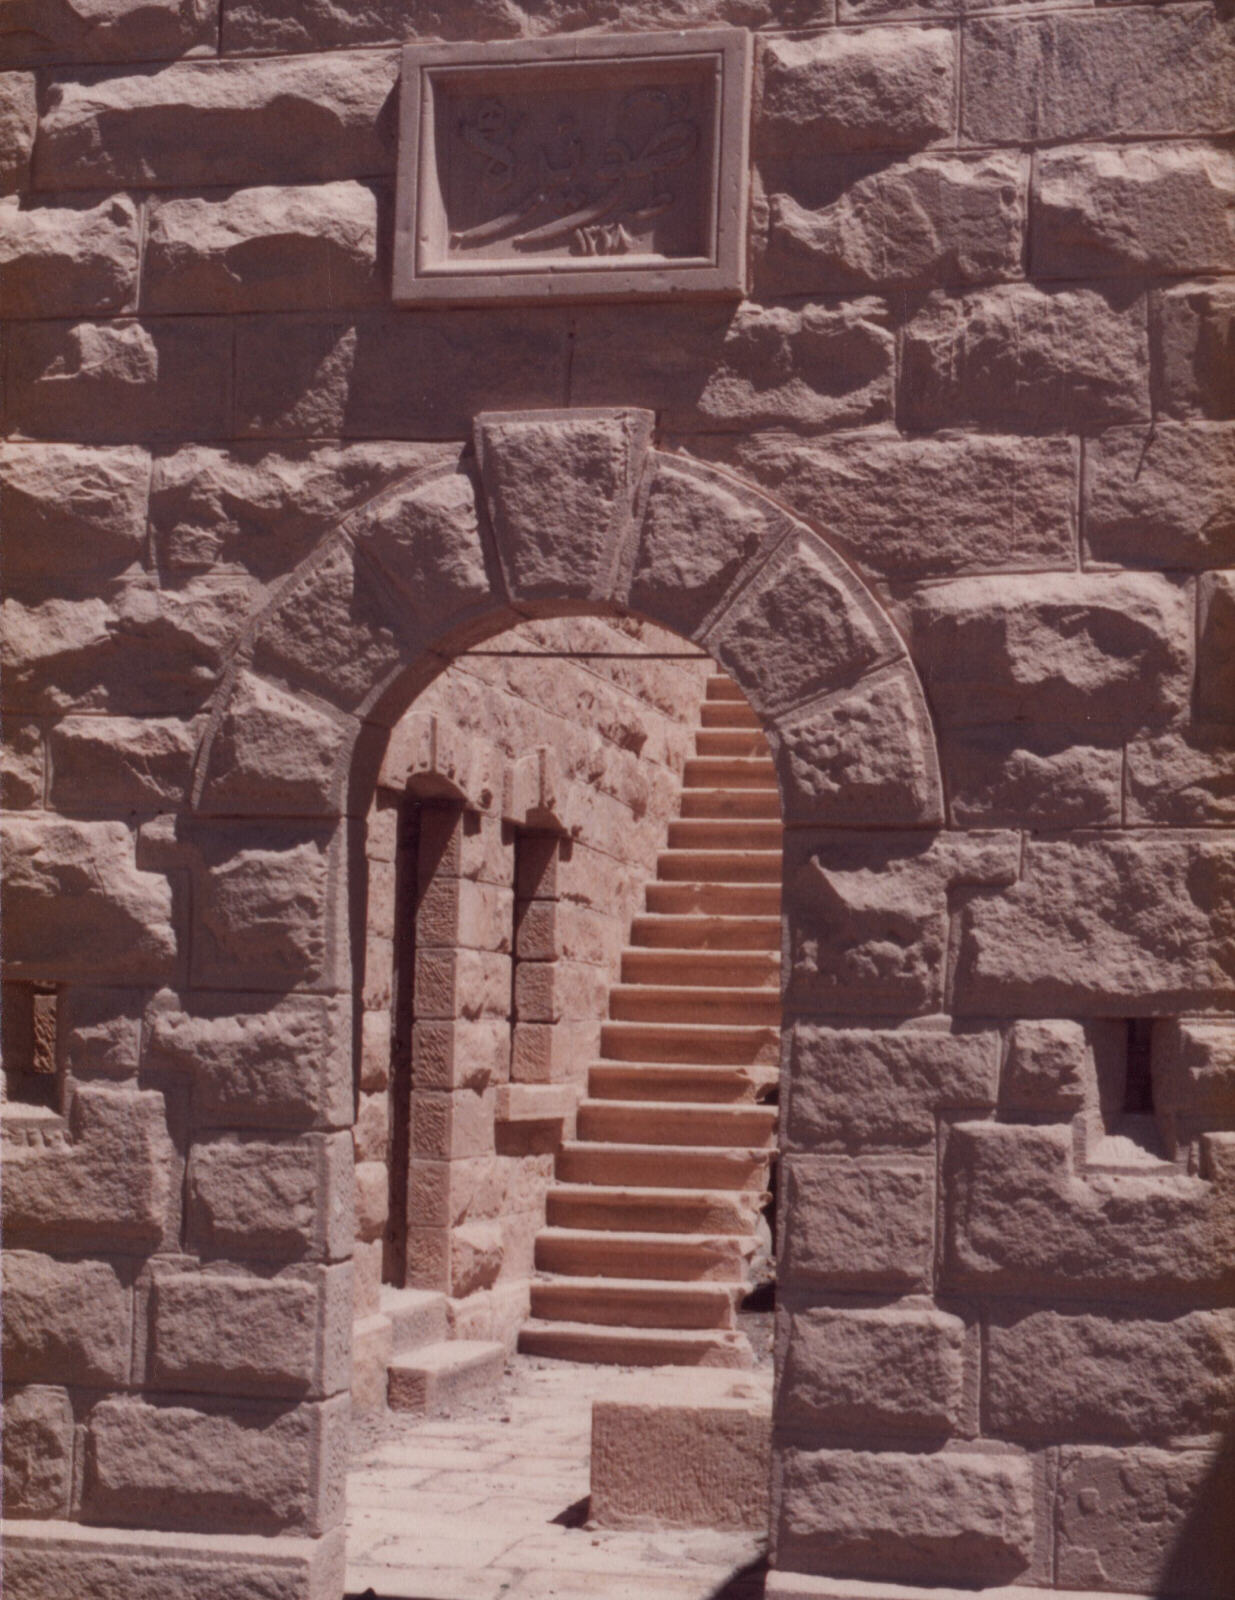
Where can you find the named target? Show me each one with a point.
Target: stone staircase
(428, 1369)
(653, 1223)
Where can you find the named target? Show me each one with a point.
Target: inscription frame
(584, 210)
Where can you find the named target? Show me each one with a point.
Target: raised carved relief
(531, 170)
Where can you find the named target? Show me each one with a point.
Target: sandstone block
(1192, 329)
(372, 1184)
(477, 1252)
(461, 1054)
(1026, 359)
(1109, 1378)
(302, 120)
(1047, 1067)
(461, 913)
(866, 89)
(886, 1371)
(107, 30)
(120, 381)
(375, 1044)
(1030, 79)
(1194, 1067)
(935, 218)
(71, 510)
(120, 763)
(23, 763)
(251, 1198)
(275, 753)
(1042, 777)
(858, 1224)
(851, 1086)
(69, 259)
(99, 1032)
(560, 991)
(1132, 209)
(1145, 1520)
(265, 1337)
(1161, 496)
(19, 118)
(1100, 923)
(941, 1516)
(1182, 778)
(261, 912)
(446, 1127)
(38, 1452)
(245, 1467)
(1215, 648)
(47, 1338)
(1068, 648)
(1020, 1219)
(371, 1134)
(468, 984)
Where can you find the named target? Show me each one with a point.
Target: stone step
(696, 1043)
(417, 1317)
(714, 899)
(729, 772)
(700, 932)
(731, 742)
(728, 714)
(438, 1374)
(598, 1252)
(675, 1080)
(730, 803)
(723, 833)
(645, 1002)
(639, 1210)
(676, 1122)
(637, 1302)
(636, 1347)
(719, 866)
(663, 1166)
(750, 969)
(720, 686)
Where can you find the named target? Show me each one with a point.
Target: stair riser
(698, 1262)
(728, 772)
(751, 1127)
(622, 1082)
(679, 1306)
(710, 833)
(636, 1041)
(725, 804)
(714, 899)
(654, 1167)
(628, 1350)
(719, 866)
(712, 1007)
(707, 933)
(731, 742)
(727, 714)
(702, 970)
(635, 1216)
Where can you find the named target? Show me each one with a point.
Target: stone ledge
(804, 1586)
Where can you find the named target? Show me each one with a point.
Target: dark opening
(407, 900)
(1138, 1075)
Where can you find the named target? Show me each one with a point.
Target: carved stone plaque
(596, 167)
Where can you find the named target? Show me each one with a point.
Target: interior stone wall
(972, 434)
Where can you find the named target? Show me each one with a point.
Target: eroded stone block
(108, 30)
(287, 1199)
(66, 1321)
(1048, 1067)
(1192, 333)
(1161, 496)
(19, 117)
(262, 907)
(858, 1224)
(38, 1452)
(1043, 776)
(69, 259)
(125, 764)
(72, 510)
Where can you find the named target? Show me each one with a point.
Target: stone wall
(967, 446)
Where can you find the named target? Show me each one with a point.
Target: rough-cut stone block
(275, 753)
(467, 984)
(460, 1054)
(858, 1224)
(107, 30)
(865, 756)
(19, 117)
(810, 366)
(372, 1183)
(290, 1199)
(1072, 648)
(125, 764)
(120, 381)
(1047, 1067)
(71, 510)
(867, 89)
(1021, 1219)
(1161, 496)
(858, 1087)
(887, 1371)
(371, 1134)
(1194, 1067)
(38, 1452)
(262, 908)
(99, 1032)
(66, 1321)
(265, 1337)
(1146, 1521)
(936, 218)
(23, 763)
(1026, 359)
(247, 1467)
(448, 1126)
(1215, 648)
(264, 249)
(68, 260)
(463, 914)
(1183, 778)
(1108, 1378)
(1048, 78)
(1132, 209)
(1047, 776)
(1100, 924)
(306, 120)
(936, 1516)
(1192, 331)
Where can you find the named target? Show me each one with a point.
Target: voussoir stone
(867, 89)
(1161, 496)
(1021, 357)
(72, 510)
(275, 753)
(1192, 330)
(107, 30)
(47, 1339)
(305, 119)
(19, 117)
(38, 1452)
(68, 260)
(263, 249)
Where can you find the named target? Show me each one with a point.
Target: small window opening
(1138, 1075)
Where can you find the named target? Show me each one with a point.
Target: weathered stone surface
(865, 756)
(66, 1321)
(1215, 648)
(1021, 1219)
(1192, 331)
(1058, 77)
(262, 908)
(1043, 777)
(1024, 358)
(38, 1452)
(263, 249)
(77, 907)
(1146, 1521)
(810, 366)
(869, 913)
(291, 1198)
(112, 1184)
(1132, 209)
(1109, 1378)
(107, 30)
(114, 764)
(858, 1224)
(858, 1087)
(888, 1370)
(120, 381)
(868, 89)
(68, 259)
(19, 117)
(248, 1468)
(98, 1032)
(259, 26)
(938, 1515)
(71, 510)
(1074, 648)
(307, 119)
(23, 763)
(1101, 923)
(1183, 778)
(936, 218)
(1194, 1067)
(1161, 496)
(1047, 1067)
(276, 753)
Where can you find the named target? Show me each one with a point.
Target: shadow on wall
(1202, 1555)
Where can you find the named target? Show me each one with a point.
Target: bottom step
(636, 1347)
(438, 1374)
